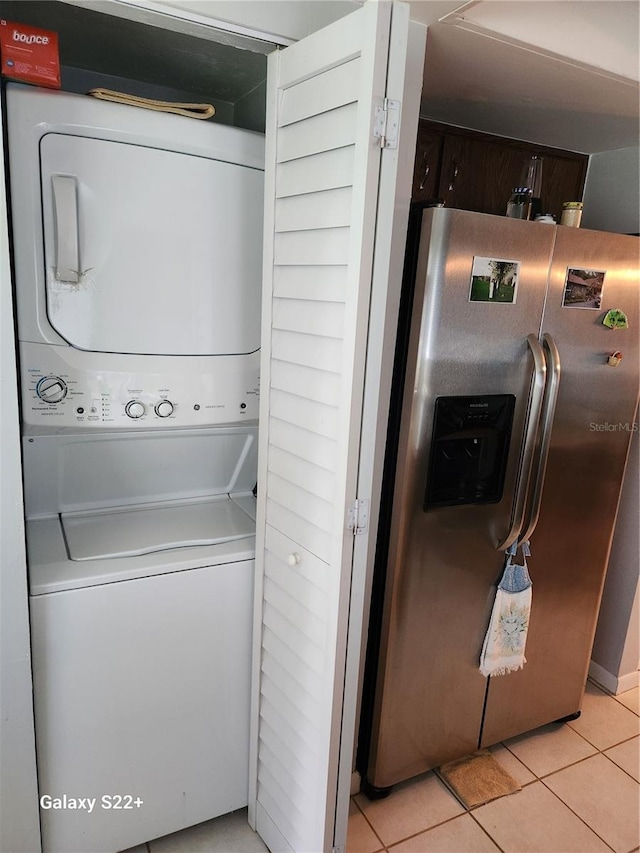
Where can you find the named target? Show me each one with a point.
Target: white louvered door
(322, 176)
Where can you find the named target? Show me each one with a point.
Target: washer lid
(134, 531)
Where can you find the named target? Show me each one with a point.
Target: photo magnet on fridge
(494, 280)
(583, 289)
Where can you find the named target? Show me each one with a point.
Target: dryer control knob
(51, 389)
(134, 409)
(164, 408)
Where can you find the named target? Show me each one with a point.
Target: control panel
(469, 450)
(58, 390)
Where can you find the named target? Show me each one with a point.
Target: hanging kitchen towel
(503, 647)
(190, 110)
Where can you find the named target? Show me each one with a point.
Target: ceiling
(562, 74)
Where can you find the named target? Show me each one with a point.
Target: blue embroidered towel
(504, 643)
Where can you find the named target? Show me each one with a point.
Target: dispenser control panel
(469, 450)
(193, 392)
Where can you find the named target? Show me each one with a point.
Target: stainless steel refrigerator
(514, 422)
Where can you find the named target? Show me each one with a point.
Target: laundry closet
(137, 255)
(166, 669)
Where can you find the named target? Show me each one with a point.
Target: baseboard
(613, 683)
(628, 682)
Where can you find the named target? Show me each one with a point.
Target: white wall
(611, 203)
(616, 651)
(611, 198)
(19, 827)
(249, 112)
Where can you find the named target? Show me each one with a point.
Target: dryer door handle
(65, 208)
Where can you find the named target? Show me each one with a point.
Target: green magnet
(616, 319)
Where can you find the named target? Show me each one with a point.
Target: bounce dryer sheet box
(29, 54)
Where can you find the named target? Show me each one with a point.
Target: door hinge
(385, 123)
(358, 517)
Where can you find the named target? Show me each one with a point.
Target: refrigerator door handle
(546, 423)
(529, 445)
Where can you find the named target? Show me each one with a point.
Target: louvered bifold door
(322, 170)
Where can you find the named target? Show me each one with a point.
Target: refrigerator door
(468, 351)
(588, 449)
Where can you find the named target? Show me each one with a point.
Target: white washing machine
(141, 630)
(137, 241)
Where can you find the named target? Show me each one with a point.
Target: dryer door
(150, 251)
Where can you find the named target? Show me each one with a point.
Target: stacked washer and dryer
(137, 253)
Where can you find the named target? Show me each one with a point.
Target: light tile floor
(580, 794)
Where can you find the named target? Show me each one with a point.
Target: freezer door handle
(546, 423)
(529, 443)
(65, 206)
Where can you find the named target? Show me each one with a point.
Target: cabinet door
(562, 180)
(427, 164)
(479, 174)
(474, 175)
(328, 208)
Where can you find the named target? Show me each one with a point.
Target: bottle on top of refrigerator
(519, 205)
(532, 177)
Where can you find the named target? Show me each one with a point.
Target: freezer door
(592, 273)
(150, 251)
(468, 340)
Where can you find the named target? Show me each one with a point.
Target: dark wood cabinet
(475, 171)
(477, 175)
(426, 174)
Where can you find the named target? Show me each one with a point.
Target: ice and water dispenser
(469, 449)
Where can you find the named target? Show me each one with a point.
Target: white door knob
(294, 559)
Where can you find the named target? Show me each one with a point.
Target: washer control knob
(134, 409)
(51, 389)
(164, 408)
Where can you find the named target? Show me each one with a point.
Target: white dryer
(138, 257)
(137, 254)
